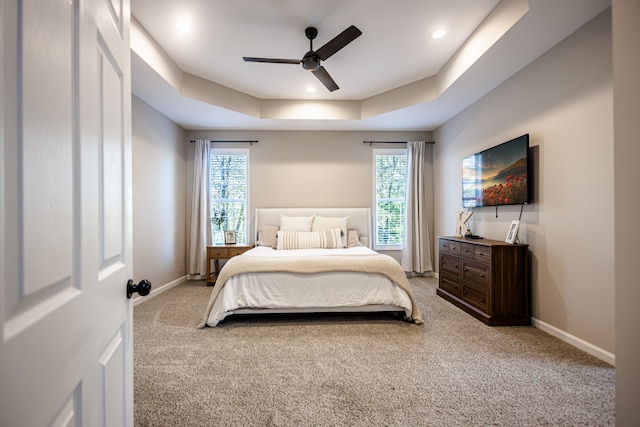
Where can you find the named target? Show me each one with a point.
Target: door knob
(143, 288)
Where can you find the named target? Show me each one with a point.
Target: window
(390, 184)
(229, 170)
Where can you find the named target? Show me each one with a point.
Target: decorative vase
(218, 237)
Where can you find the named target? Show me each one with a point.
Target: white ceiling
(392, 77)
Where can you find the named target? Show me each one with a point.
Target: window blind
(229, 190)
(390, 187)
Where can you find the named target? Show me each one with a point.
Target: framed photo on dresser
(512, 236)
(230, 237)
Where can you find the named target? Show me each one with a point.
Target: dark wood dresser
(488, 279)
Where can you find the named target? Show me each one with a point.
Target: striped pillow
(325, 239)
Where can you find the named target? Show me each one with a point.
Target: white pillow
(296, 223)
(326, 223)
(353, 239)
(267, 236)
(326, 239)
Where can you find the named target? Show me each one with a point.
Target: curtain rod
(251, 142)
(391, 142)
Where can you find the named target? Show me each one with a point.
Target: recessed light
(183, 27)
(438, 34)
(311, 89)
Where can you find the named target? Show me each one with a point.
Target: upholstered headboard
(358, 218)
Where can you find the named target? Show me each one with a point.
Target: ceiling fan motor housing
(310, 61)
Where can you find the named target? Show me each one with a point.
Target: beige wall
(309, 168)
(158, 196)
(564, 101)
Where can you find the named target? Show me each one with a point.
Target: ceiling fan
(311, 60)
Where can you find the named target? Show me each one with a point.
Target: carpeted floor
(357, 370)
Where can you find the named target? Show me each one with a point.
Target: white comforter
(325, 291)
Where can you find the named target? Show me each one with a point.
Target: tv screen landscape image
(497, 176)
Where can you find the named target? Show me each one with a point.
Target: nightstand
(215, 253)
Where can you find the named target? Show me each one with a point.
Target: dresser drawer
(482, 253)
(444, 246)
(454, 247)
(476, 272)
(476, 296)
(451, 265)
(450, 284)
(237, 251)
(218, 253)
(467, 250)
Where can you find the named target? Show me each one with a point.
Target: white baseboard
(157, 291)
(575, 341)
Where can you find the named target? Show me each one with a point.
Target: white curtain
(200, 236)
(416, 253)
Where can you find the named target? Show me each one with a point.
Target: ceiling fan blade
(324, 77)
(338, 42)
(271, 60)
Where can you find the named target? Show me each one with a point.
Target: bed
(311, 261)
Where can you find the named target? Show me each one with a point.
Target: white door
(65, 214)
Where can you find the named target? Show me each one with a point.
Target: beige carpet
(357, 370)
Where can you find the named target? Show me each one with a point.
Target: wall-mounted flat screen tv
(498, 175)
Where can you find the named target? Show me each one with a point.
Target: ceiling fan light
(438, 34)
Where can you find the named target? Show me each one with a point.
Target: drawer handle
(465, 269)
(482, 275)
